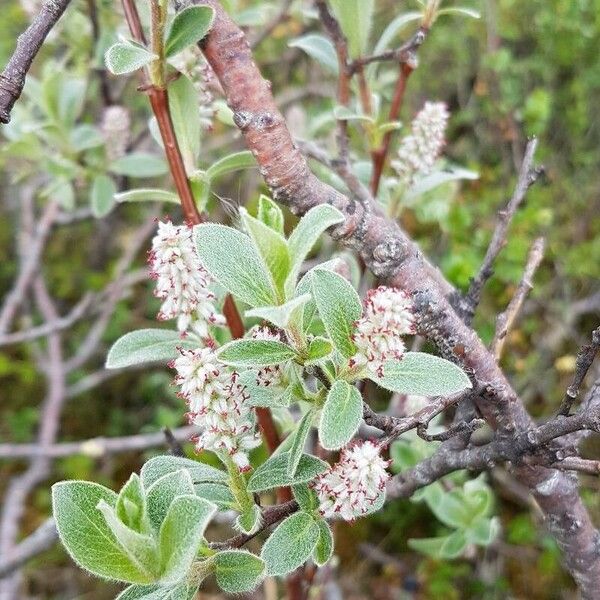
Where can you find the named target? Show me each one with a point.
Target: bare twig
(12, 79)
(528, 175)
(96, 447)
(575, 463)
(585, 358)
(467, 427)
(174, 444)
(505, 320)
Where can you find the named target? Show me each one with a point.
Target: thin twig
(12, 79)
(505, 320)
(528, 175)
(585, 358)
(457, 429)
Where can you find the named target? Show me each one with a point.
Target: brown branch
(506, 320)
(528, 175)
(95, 447)
(575, 463)
(585, 358)
(12, 79)
(407, 64)
(393, 257)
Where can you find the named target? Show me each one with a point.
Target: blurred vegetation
(524, 68)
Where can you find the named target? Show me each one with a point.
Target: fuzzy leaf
(163, 491)
(355, 18)
(341, 416)
(141, 549)
(183, 104)
(393, 28)
(270, 214)
(182, 591)
(102, 195)
(147, 195)
(291, 544)
(189, 26)
(233, 260)
(238, 571)
(309, 229)
(319, 48)
(422, 374)
(300, 437)
(85, 534)
(433, 180)
(255, 353)
(124, 57)
(324, 548)
(181, 534)
(139, 165)
(339, 307)
(217, 493)
(159, 466)
(483, 531)
(146, 345)
(280, 315)
(444, 547)
(273, 473)
(230, 163)
(271, 246)
(319, 349)
(260, 395)
(249, 521)
(131, 504)
(305, 497)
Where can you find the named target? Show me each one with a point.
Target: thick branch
(12, 79)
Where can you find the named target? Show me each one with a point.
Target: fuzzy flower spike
(182, 282)
(419, 150)
(350, 488)
(387, 316)
(218, 404)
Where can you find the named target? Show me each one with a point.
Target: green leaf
(319, 349)
(300, 437)
(162, 492)
(271, 246)
(238, 571)
(273, 473)
(449, 546)
(260, 395)
(182, 591)
(131, 504)
(393, 28)
(355, 18)
(124, 57)
(341, 416)
(181, 534)
(305, 497)
(189, 26)
(280, 315)
(159, 466)
(309, 229)
(324, 548)
(319, 48)
(217, 493)
(433, 180)
(459, 10)
(233, 260)
(270, 214)
(450, 508)
(339, 307)
(249, 521)
(139, 165)
(230, 163)
(343, 113)
(291, 544)
(255, 353)
(183, 103)
(140, 548)
(102, 195)
(422, 374)
(85, 136)
(483, 531)
(85, 534)
(146, 345)
(147, 195)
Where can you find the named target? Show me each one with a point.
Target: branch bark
(12, 79)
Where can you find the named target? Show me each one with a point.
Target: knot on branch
(260, 121)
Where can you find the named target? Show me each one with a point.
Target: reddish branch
(393, 257)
